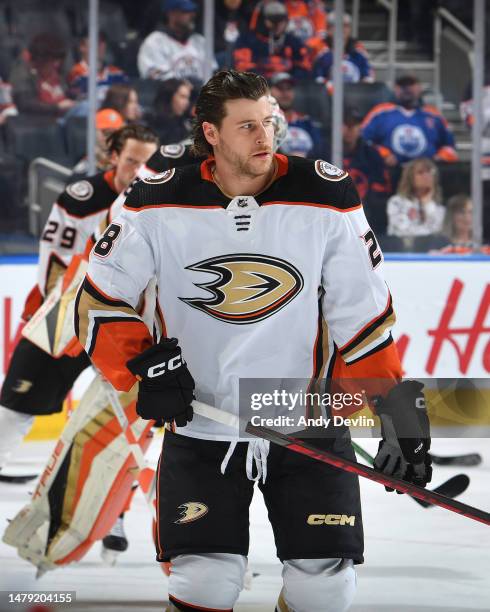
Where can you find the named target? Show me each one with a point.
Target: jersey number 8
(106, 242)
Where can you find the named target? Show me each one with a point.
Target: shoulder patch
(329, 172)
(172, 150)
(157, 179)
(81, 190)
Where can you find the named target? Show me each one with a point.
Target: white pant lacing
(257, 452)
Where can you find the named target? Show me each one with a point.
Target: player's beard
(242, 165)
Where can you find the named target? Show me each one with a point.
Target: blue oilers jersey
(409, 134)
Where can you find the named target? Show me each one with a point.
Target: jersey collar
(281, 167)
(109, 179)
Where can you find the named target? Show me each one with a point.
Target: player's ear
(114, 158)
(210, 133)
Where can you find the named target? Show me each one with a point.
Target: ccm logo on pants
(331, 519)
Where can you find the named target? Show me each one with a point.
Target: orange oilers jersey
(277, 285)
(72, 221)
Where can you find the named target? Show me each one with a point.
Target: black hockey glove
(166, 385)
(404, 450)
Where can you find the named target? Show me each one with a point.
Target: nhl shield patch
(172, 150)
(329, 172)
(81, 190)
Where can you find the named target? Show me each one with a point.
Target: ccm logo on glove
(165, 366)
(166, 387)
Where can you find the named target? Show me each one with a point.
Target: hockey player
(36, 383)
(266, 267)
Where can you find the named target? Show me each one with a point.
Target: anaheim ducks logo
(191, 511)
(22, 386)
(248, 288)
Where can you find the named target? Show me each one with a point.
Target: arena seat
(28, 137)
(30, 20)
(76, 138)
(147, 90)
(391, 244)
(11, 186)
(312, 99)
(424, 244)
(454, 178)
(364, 96)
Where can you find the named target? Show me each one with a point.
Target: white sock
(13, 428)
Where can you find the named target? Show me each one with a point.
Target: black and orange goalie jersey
(284, 284)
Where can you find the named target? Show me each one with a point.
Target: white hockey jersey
(246, 285)
(163, 57)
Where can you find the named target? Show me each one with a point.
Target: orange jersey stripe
(200, 207)
(379, 108)
(315, 204)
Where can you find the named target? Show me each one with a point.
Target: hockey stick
(468, 460)
(304, 448)
(451, 488)
(17, 478)
(125, 426)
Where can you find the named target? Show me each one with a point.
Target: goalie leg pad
(13, 428)
(317, 585)
(210, 581)
(84, 486)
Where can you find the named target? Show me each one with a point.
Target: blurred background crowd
(407, 111)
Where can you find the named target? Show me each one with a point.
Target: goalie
(37, 383)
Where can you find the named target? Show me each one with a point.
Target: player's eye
(247, 126)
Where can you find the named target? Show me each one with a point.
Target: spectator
(406, 129)
(367, 169)
(466, 110)
(458, 224)
(177, 52)
(169, 117)
(124, 100)
(36, 78)
(458, 227)
(274, 50)
(416, 210)
(107, 74)
(303, 137)
(107, 121)
(229, 23)
(307, 19)
(7, 106)
(355, 63)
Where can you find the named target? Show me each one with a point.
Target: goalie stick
(17, 478)
(450, 488)
(304, 448)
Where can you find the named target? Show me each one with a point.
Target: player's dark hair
(210, 104)
(136, 131)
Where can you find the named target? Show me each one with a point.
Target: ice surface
(423, 560)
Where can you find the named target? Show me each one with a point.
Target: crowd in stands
(392, 149)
